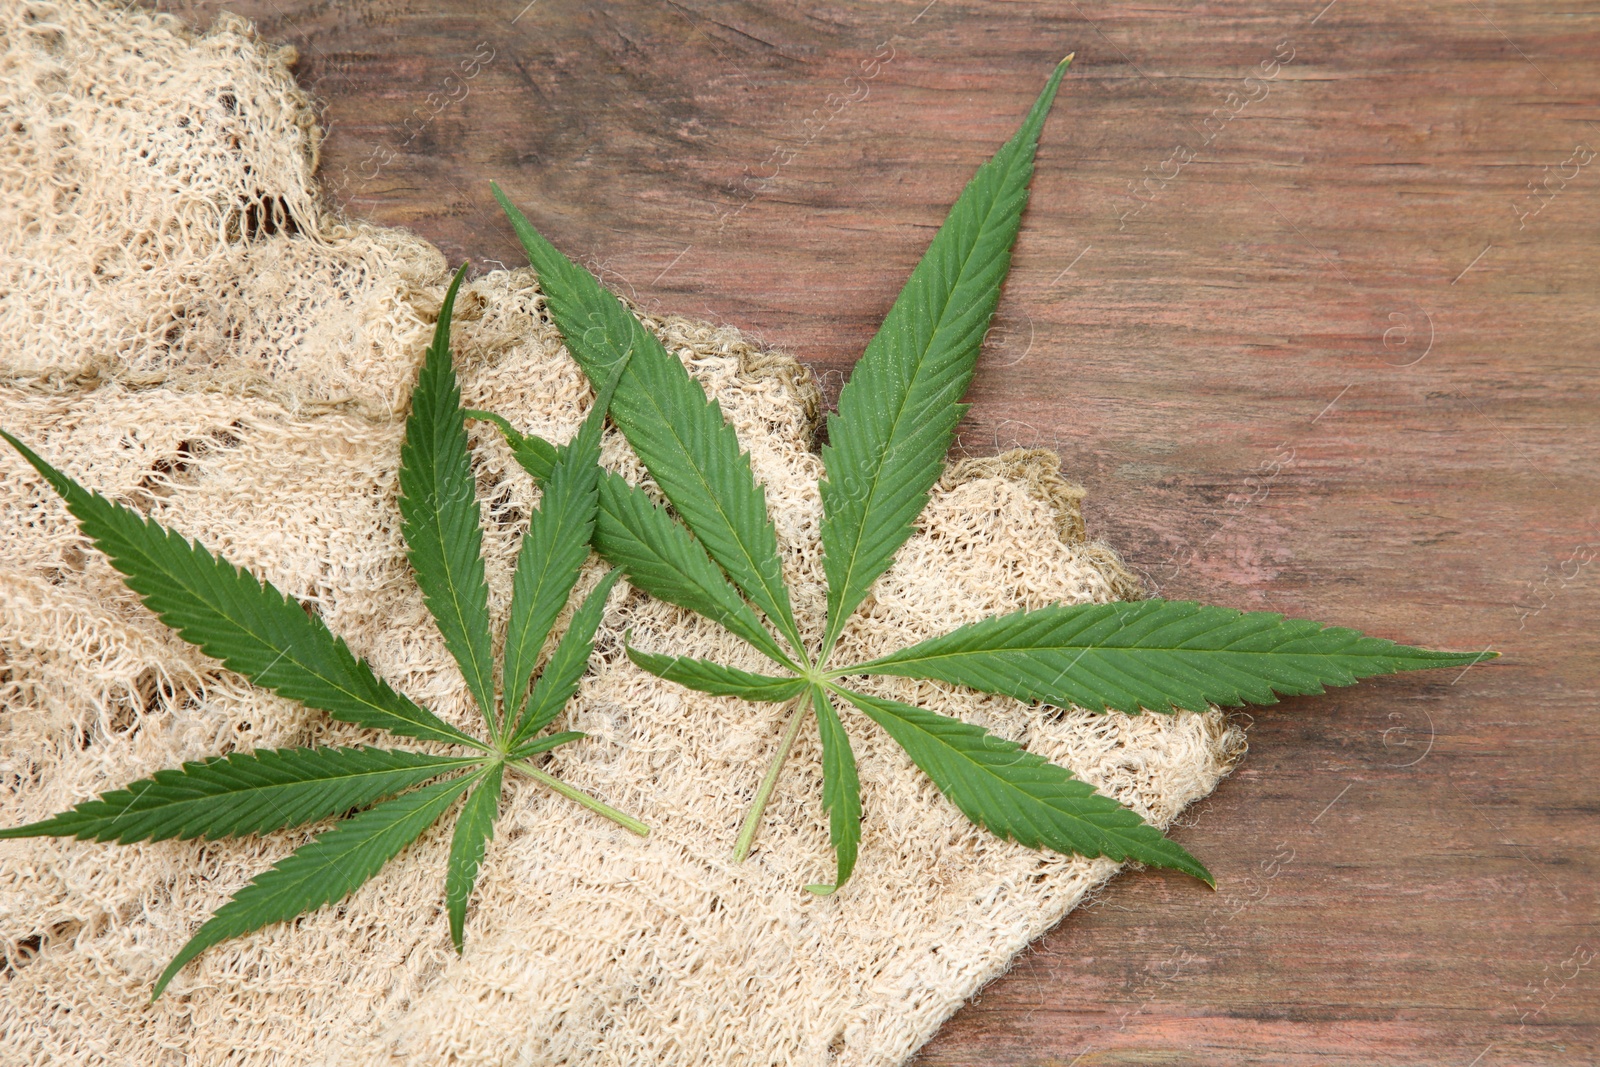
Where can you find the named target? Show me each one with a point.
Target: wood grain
(1316, 348)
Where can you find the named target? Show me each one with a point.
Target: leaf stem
(752, 821)
(572, 792)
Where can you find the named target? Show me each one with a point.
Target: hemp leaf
(897, 416)
(270, 639)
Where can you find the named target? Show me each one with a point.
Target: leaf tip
(1459, 659)
(822, 889)
(50, 474)
(166, 976)
(450, 294)
(1189, 865)
(638, 657)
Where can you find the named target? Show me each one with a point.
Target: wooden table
(1306, 299)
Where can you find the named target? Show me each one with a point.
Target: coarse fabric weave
(187, 327)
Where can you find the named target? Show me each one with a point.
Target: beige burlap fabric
(186, 327)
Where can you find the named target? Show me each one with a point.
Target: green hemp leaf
(270, 639)
(718, 555)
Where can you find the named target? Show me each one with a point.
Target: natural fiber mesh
(188, 328)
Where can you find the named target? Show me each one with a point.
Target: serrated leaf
(440, 517)
(841, 790)
(716, 679)
(553, 551)
(243, 793)
(665, 560)
(235, 617)
(677, 431)
(561, 675)
(1155, 654)
(474, 828)
(325, 869)
(548, 742)
(653, 549)
(898, 413)
(535, 455)
(1017, 795)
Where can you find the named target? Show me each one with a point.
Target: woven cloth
(188, 328)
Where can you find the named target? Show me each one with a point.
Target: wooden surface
(1334, 354)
